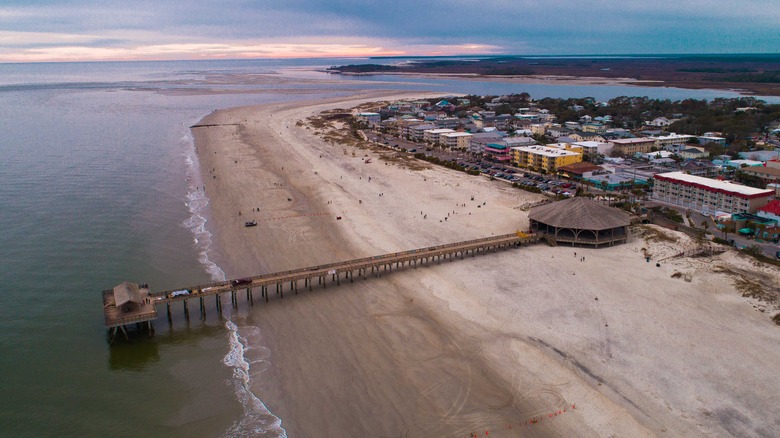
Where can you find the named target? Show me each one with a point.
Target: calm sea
(97, 186)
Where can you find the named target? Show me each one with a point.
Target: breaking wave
(257, 420)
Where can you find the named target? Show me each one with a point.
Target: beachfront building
(433, 135)
(455, 140)
(580, 221)
(371, 119)
(708, 195)
(631, 146)
(548, 158)
(478, 141)
(417, 132)
(405, 124)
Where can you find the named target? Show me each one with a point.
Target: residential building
(592, 149)
(630, 146)
(659, 121)
(548, 158)
(767, 174)
(586, 136)
(478, 141)
(597, 128)
(708, 139)
(656, 155)
(432, 135)
(417, 132)
(708, 195)
(771, 211)
(699, 168)
(579, 170)
(447, 122)
(692, 153)
(372, 119)
(519, 141)
(455, 140)
(405, 125)
(672, 139)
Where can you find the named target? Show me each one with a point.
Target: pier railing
(376, 264)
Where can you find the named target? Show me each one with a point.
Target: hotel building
(455, 140)
(549, 158)
(708, 195)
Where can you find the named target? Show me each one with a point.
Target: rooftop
(773, 207)
(580, 213)
(715, 184)
(457, 134)
(630, 141)
(545, 151)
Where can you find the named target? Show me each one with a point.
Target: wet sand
(477, 345)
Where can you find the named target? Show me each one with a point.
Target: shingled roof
(579, 213)
(127, 293)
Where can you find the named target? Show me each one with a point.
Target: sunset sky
(81, 30)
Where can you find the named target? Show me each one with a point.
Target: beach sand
(469, 346)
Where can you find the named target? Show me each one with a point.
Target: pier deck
(147, 312)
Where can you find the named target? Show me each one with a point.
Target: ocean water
(98, 185)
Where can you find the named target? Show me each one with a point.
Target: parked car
(240, 281)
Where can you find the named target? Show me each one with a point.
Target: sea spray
(257, 420)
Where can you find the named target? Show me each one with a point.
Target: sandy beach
(483, 344)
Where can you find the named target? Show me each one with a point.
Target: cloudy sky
(61, 30)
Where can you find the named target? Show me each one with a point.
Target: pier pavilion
(580, 221)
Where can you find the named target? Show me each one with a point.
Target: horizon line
(368, 57)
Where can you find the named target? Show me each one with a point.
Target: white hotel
(708, 195)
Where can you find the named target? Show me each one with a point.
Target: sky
(92, 30)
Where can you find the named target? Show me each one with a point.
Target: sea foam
(257, 420)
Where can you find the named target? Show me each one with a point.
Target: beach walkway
(143, 308)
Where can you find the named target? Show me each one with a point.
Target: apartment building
(668, 140)
(549, 158)
(708, 195)
(455, 140)
(630, 146)
(434, 135)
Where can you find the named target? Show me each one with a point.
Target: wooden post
(186, 310)
(169, 312)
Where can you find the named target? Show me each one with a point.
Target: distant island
(757, 74)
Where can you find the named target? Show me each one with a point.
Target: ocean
(98, 185)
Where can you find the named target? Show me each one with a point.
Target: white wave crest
(257, 420)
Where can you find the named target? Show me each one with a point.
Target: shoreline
(443, 350)
(585, 80)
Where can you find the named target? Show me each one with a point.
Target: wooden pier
(128, 303)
